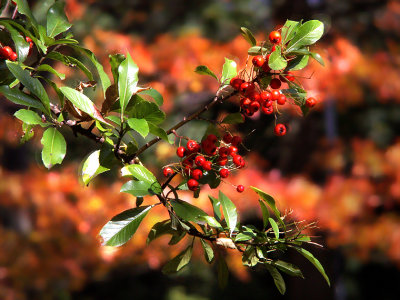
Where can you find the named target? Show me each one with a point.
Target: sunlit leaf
(91, 167)
(229, 210)
(276, 61)
(248, 36)
(306, 34)
(204, 70)
(30, 117)
(139, 125)
(54, 147)
(228, 71)
(127, 81)
(57, 21)
(141, 173)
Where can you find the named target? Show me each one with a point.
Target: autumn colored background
(339, 166)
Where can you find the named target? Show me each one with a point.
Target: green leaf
(265, 213)
(249, 257)
(270, 202)
(222, 272)
(23, 8)
(139, 125)
(257, 50)
(54, 147)
(204, 70)
(235, 118)
(275, 227)
(208, 251)
(318, 58)
(245, 236)
(187, 211)
(57, 21)
(115, 62)
(83, 103)
(141, 173)
(137, 188)
(50, 69)
(211, 221)
(44, 38)
(228, 71)
(32, 84)
(123, 226)
(158, 131)
(160, 229)
(127, 81)
(288, 268)
(70, 62)
(21, 46)
(276, 61)
(179, 261)
(307, 34)
(153, 93)
(20, 98)
(298, 63)
(176, 237)
(278, 279)
(248, 36)
(30, 118)
(105, 81)
(91, 167)
(64, 42)
(229, 210)
(289, 30)
(314, 261)
(216, 207)
(149, 111)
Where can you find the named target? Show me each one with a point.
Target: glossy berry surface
(281, 100)
(310, 102)
(207, 165)
(236, 83)
(199, 160)
(275, 83)
(280, 129)
(181, 151)
(258, 61)
(240, 188)
(167, 171)
(193, 184)
(197, 174)
(275, 37)
(224, 173)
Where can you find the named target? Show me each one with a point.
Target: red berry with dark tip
(181, 151)
(280, 129)
(197, 174)
(236, 82)
(265, 96)
(207, 165)
(267, 103)
(310, 102)
(232, 150)
(258, 61)
(221, 161)
(199, 160)
(275, 37)
(247, 87)
(281, 100)
(240, 188)
(224, 173)
(245, 103)
(212, 138)
(275, 83)
(227, 138)
(236, 140)
(223, 152)
(254, 106)
(267, 110)
(191, 145)
(265, 67)
(193, 184)
(167, 171)
(238, 160)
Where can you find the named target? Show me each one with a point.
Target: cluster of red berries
(253, 98)
(8, 53)
(211, 155)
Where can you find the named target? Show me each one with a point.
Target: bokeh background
(339, 166)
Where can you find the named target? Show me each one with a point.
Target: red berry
(236, 140)
(224, 173)
(267, 103)
(267, 110)
(288, 76)
(222, 161)
(227, 138)
(265, 96)
(7, 52)
(13, 56)
(275, 95)
(265, 67)
(197, 174)
(240, 188)
(254, 96)
(167, 171)
(273, 48)
(275, 83)
(199, 160)
(247, 87)
(223, 152)
(238, 160)
(191, 145)
(28, 39)
(245, 103)
(258, 61)
(282, 99)
(280, 129)
(248, 112)
(232, 150)
(254, 106)
(310, 102)
(193, 184)
(212, 138)
(181, 151)
(275, 37)
(207, 165)
(236, 82)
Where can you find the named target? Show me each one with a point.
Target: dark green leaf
(228, 71)
(29, 117)
(235, 118)
(211, 221)
(245, 236)
(249, 257)
(32, 84)
(216, 207)
(298, 63)
(178, 262)
(64, 42)
(20, 98)
(306, 34)
(314, 261)
(21, 46)
(318, 58)
(123, 226)
(23, 8)
(186, 211)
(289, 30)
(270, 202)
(275, 227)
(288, 268)
(158, 131)
(230, 212)
(139, 125)
(83, 103)
(127, 81)
(204, 70)
(153, 93)
(139, 201)
(208, 251)
(149, 111)
(223, 272)
(276, 61)
(278, 279)
(44, 38)
(141, 173)
(176, 237)
(115, 62)
(91, 167)
(50, 69)
(265, 213)
(54, 147)
(248, 35)
(137, 188)
(159, 229)
(71, 62)
(257, 50)
(57, 21)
